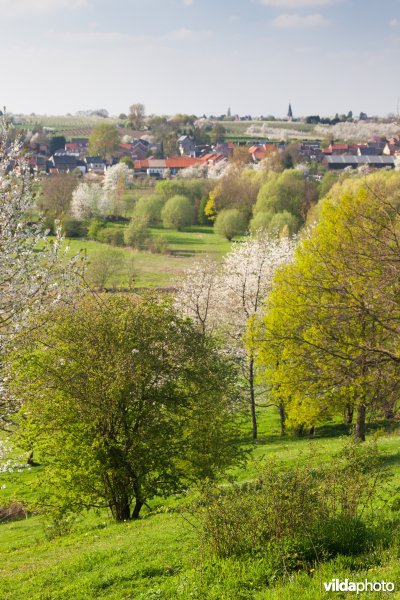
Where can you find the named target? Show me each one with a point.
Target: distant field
(63, 123)
(158, 270)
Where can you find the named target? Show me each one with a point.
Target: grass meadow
(156, 270)
(160, 557)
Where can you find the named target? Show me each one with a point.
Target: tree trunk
(348, 414)
(136, 510)
(361, 422)
(252, 399)
(29, 460)
(282, 418)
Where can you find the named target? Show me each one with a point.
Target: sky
(201, 56)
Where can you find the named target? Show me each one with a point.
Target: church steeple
(290, 112)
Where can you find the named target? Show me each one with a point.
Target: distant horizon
(202, 115)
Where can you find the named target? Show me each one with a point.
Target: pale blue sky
(201, 56)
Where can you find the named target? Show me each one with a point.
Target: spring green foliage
(103, 140)
(194, 189)
(123, 400)
(137, 234)
(297, 515)
(149, 207)
(330, 335)
(178, 213)
(160, 555)
(283, 193)
(230, 223)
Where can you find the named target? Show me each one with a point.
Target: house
(160, 168)
(95, 164)
(212, 158)
(65, 162)
(260, 152)
(186, 145)
(374, 162)
(367, 150)
(177, 163)
(391, 148)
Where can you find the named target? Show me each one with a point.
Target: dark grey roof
(94, 159)
(360, 160)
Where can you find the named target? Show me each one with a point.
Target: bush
(149, 208)
(158, 245)
(137, 234)
(178, 213)
(113, 236)
(94, 228)
(297, 515)
(74, 228)
(230, 223)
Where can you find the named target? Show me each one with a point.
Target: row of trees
(316, 335)
(329, 341)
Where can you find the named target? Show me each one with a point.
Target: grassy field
(158, 270)
(65, 122)
(159, 557)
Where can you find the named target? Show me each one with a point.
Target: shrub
(149, 208)
(113, 236)
(94, 228)
(178, 213)
(74, 228)
(298, 515)
(230, 223)
(158, 245)
(137, 234)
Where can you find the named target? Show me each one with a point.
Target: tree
(178, 213)
(225, 301)
(137, 232)
(197, 294)
(125, 401)
(104, 140)
(105, 269)
(56, 196)
(30, 279)
(289, 191)
(114, 185)
(230, 223)
(149, 208)
(88, 201)
(238, 188)
(330, 335)
(136, 115)
(57, 142)
(218, 133)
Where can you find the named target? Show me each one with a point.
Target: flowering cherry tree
(226, 300)
(32, 275)
(88, 200)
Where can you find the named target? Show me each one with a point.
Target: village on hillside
(202, 146)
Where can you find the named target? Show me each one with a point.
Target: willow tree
(330, 337)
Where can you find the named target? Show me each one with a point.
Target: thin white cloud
(234, 18)
(394, 23)
(93, 38)
(18, 8)
(295, 3)
(299, 21)
(187, 35)
(90, 37)
(188, 2)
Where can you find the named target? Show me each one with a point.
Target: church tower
(290, 112)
